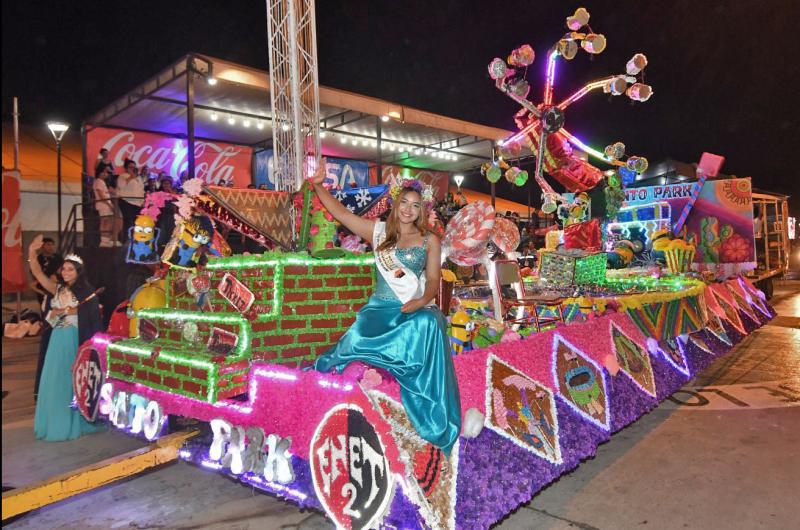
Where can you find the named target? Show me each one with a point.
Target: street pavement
(722, 453)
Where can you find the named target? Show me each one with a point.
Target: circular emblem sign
(87, 378)
(350, 470)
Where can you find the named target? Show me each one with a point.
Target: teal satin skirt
(55, 419)
(415, 349)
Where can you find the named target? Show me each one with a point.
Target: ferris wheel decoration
(541, 125)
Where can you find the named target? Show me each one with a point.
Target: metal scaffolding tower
(294, 90)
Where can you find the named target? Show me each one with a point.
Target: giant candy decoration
(468, 232)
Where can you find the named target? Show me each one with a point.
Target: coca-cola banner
(215, 162)
(13, 273)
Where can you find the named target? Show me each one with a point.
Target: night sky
(725, 73)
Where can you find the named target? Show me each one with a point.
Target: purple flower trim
(496, 476)
(402, 512)
(750, 324)
(626, 401)
(668, 379)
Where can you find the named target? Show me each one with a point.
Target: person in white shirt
(130, 190)
(110, 223)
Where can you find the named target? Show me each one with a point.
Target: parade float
(549, 366)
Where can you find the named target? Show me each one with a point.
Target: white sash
(403, 282)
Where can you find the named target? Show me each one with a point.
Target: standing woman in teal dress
(399, 329)
(55, 419)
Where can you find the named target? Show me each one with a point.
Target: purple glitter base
(750, 324)
(198, 450)
(734, 334)
(627, 401)
(496, 476)
(697, 358)
(668, 379)
(402, 513)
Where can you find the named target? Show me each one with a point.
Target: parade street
(723, 452)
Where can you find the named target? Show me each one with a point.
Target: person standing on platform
(110, 224)
(75, 318)
(102, 158)
(130, 190)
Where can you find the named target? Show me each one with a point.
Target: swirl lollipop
(471, 227)
(505, 235)
(468, 257)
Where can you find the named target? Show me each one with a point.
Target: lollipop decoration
(542, 125)
(505, 235)
(470, 228)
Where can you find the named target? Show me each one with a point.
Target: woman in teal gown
(397, 329)
(55, 419)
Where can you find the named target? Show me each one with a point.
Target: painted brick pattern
(317, 302)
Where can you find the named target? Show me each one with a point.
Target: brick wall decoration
(302, 307)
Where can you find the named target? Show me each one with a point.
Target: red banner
(215, 162)
(13, 272)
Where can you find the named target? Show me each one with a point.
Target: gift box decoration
(584, 235)
(564, 269)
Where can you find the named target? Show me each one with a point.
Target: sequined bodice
(413, 258)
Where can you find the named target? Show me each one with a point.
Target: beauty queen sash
(403, 282)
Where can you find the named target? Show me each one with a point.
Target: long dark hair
(393, 225)
(89, 321)
(81, 287)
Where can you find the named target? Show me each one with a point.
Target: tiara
(425, 190)
(73, 257)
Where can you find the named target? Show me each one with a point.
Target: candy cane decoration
(689, 205)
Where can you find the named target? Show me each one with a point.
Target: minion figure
(622, 255)
(578, 210)
(188, 242)
(461, 332)
(660, 241)
(143, 240)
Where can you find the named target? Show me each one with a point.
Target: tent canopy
(351, 123)
(501, 205)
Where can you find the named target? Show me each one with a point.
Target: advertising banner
(346, 174)
(215, 162)
(341, 173)
(263, 170)
(720, 224)
(13, 273)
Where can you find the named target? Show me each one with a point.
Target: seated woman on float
(400, 329)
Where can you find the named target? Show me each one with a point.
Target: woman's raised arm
(359, 226)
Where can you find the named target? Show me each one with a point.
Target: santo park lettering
(656, 193)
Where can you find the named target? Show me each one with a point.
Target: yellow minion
(143, 238)
(194, 234)
(461, 332)
(578, 210)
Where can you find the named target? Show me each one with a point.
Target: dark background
(725, 73)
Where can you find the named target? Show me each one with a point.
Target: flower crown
(73, 257)
(425, 190)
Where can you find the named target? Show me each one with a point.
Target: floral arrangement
(425, 190)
